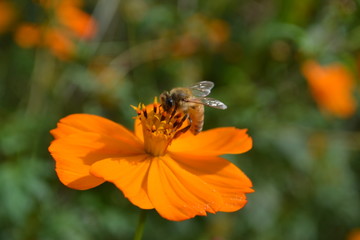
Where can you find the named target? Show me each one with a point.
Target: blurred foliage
(305, 163)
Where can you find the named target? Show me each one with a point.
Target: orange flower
(79, 22)
(60, 38)
(156, 166)
(331, 87)
(185, 45)
(28, 35)
(7, 15)
(354, 234)
(59, 44)
(218, 31)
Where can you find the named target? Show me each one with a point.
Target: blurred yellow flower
(332, 87)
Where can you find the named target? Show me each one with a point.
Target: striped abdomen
(196, 115)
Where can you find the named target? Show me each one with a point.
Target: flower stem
(140, 226)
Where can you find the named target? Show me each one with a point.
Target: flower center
(160, 127)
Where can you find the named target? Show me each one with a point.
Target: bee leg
(173, 113)
(185, 129)
(181, 131)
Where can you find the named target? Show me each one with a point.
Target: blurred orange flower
(76, 20)
(7, 15)
(72, 24)
(332, 87)
(28, 35)
(158, 166)
(354, 234)
(59, 44)
(185, 45)
(219, 31)
(201, 32)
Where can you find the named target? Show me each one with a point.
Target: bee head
(166, 101)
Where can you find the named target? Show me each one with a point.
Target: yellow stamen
(160, 127)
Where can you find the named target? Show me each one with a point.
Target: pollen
(160, 127)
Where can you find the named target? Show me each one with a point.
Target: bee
(191, 101)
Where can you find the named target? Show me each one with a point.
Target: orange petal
(332, 87)
(223, 176)
(75, 154)
(138, 129)
(178, 194)
(81, 140)
(218, 141)
(77, 123)
(73, 160)
(129, 175)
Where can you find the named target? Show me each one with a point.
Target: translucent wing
(214, 103)
(210, 102)
(202, 89)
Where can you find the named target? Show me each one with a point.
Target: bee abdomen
(197, 119)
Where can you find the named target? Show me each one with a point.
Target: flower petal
(77, 123)
(129, 175)
(223, 177)
(74, 154)
(332, 87)
(138, 130)
(72, 163)
(218, 141)
(178, 194)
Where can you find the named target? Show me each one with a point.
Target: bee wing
(214, 103)
(202, 89)
(210, 102)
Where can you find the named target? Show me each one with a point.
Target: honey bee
(191, 101)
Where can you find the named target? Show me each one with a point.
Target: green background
(305, 164)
